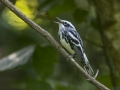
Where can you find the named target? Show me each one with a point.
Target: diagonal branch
(48, 37)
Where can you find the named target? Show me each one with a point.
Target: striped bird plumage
(71, 41)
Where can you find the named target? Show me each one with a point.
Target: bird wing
(74, 39)
(79, 54)
(77, 36)
(76, 44)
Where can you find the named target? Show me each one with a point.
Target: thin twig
(48, 37)
(96, 74)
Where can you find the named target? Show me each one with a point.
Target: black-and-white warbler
(71, 41)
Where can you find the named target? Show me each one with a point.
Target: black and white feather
(71, 41)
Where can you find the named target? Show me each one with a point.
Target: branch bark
(48, 37)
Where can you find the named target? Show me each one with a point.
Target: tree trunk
(108, 12)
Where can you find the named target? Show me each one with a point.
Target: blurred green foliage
(46, 68)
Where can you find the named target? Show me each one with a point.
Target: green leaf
(80, 15)
(105, 79)
(37, 85)
(46, 5)
(63, 85)
(64, 6)
(94, 23)
(44, 59)
(17, 58)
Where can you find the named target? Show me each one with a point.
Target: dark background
(46, 68)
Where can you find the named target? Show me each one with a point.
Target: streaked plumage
(71, 41)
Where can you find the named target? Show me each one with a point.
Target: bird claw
(69, 56)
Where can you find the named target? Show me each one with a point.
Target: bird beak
(59, 21)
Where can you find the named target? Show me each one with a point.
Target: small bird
(70, 39)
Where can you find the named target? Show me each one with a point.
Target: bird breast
(66, 45)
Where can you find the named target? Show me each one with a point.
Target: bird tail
(83, 58)
(87, 66)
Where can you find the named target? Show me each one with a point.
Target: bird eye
(65, 23)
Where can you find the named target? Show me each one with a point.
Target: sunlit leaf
(17, 58)
(28, 7)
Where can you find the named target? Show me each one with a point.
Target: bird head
(64, 23)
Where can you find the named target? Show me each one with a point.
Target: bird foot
(69, 56)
